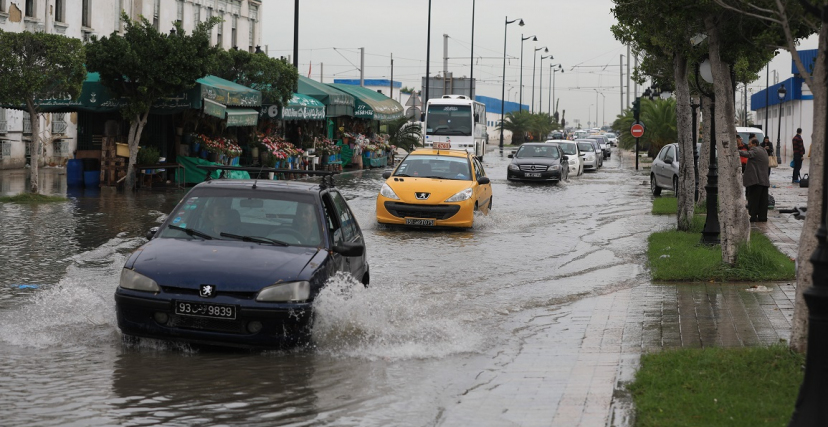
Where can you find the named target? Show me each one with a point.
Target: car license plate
(415, 221)
(218, 311)
(533, 175)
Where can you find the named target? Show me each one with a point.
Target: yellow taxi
(434, 188)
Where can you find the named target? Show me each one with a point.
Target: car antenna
(257, 176)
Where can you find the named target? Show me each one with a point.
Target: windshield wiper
(191, 232)
(254, 239)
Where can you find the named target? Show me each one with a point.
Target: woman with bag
(768, 146)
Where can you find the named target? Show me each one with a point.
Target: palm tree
(518, 122)
(659, 118)
(542, 124)
(404, 134)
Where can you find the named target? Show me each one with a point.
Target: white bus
(458, 122)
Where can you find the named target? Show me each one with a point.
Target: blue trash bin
(92, 179)
(74, 173)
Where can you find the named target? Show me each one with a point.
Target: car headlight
(459, 197)
(387, 192)
(554, 167)
(573, 160)
(513, 167)
(138, 282)
(285, 292)
(590, 157)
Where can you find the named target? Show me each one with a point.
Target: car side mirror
(422, 117)
(565, 158)
(151, 233)
(349, 249)
(510, 156)
(476, 118)
(483, 180)
(668, 160)
(386, 175)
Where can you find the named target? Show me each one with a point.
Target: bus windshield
(449, 120)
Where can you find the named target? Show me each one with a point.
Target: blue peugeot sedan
(239, 263)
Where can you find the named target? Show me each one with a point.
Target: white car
(570, 149)
(590, 153)
(613, 138)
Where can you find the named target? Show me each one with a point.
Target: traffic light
(636, 108)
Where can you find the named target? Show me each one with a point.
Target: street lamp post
(695, 149)
(589, 115)
(522, 39)
(552, 97)
(471, 63)
(503, 87)
(710, 233)
(596, 106)
(781, 92)
(534, 60)
(540, 82)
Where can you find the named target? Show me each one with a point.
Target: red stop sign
(637, 130)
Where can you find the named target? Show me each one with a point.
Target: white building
(83, 18)
(795, 110)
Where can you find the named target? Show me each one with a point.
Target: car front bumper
(282, 324)
(458, 214)
(549, 175)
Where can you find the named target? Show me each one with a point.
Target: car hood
(232, 265)
(439, 189)
(535, 161)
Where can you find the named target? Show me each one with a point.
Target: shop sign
(214, 109)
(363, 111)
(303, 113)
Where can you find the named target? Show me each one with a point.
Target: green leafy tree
(144, 65)
(659, 115)
(274, 78)
(405, 134)
(38, 66)
(541, 125)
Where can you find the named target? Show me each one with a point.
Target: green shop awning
(371, 104)
(242, 117)
(95, 98)
(299, 107)
(229, 93)
(337, 103)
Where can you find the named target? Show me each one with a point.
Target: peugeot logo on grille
(206, 291)
(422, 196)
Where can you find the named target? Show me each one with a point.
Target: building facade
(81, 19)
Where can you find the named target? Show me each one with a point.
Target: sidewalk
(620, 326)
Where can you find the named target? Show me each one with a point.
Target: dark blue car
(239, 263)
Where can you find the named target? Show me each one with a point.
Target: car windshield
(526, 151)
(609, 135)
(433, 166)
(586, 146)
(568, 149)
(449, 120)
(253, 216)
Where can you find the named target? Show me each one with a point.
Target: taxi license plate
(421, 222)
(533, 175)
(198, 309)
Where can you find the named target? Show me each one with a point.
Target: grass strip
(731, 387)
(32, 198)
(669, 206)
(679, 256)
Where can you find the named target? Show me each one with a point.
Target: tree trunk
(34, 151)
(687, 176)
(807, 238)
(704, 155)
(136, 127)
(734, 219)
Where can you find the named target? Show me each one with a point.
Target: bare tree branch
(786, 27)
(746, 13)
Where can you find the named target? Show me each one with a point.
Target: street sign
(637, 130)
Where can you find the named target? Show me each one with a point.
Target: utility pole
(445, 56)
(362, 67)
(628, 75)
(621, 68)
(322, 72)
(391, 83)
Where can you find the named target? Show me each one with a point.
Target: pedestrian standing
(798, 152)
(768, 146)
(742, 147)
(756, 181)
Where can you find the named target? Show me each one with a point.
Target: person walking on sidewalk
(756, 181)
(798, 152)
(768, 146)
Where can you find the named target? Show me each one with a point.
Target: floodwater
(444, 310)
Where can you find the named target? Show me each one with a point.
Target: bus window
(449, 120)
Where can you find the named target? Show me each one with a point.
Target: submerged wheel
(654, 188)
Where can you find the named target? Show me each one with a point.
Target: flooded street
(447, 317)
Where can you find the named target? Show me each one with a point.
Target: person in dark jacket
(756, 181)
(798, 152)
(768, 146)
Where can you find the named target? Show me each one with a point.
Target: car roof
(433, 152)
(262, 185)
(535, 144)
(556, 141)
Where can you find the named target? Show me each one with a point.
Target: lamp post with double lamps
(540, 83)
(552, 84)
(781, 92)
(534, 60)
(503, 87)
(522, 39)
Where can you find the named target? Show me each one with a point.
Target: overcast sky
(577, 34)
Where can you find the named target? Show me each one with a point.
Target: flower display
(326, 147)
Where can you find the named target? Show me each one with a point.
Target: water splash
(386, 322)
